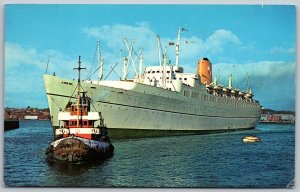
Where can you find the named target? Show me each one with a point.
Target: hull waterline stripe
(192, 114)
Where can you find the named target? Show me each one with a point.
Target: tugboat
(78, 139)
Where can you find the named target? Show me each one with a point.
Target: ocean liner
(162, 100)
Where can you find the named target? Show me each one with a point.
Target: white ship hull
(131, 109)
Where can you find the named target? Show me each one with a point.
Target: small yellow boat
(251, 139)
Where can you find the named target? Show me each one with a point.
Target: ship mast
(216, 78)
(131, 60)
(100, 62)
(248, 85)
(125, 68)
(177, 47)
(164, 68)
(78, 90)
(162, 61)
(140, 67)
(232, 74)
(159, 50)
(230, 81)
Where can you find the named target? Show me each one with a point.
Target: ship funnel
(204, 70)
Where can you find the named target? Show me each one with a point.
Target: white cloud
(25, 65)
(250, 47)
(281, 50)
(218, 39)
(273, 82)
(270, 80)
(212, 46)
(112, 37)
(15, 55)
(29, 59)
(268, 69)
(24, 68)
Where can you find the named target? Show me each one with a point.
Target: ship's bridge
(168, 77)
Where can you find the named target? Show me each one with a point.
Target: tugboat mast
(78, 90)
(78, 80)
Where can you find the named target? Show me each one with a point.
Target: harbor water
(218, 160)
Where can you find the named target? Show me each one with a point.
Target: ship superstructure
(161, 100)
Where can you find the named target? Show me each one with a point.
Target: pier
(11, 124)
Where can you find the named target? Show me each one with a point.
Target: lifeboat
(216, 87)
(216, 90)
(241, 93)
(251, 139)
(209, 87)
(249, 95)
(234, 91)
(225, 92)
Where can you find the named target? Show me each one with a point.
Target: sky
(249, 41)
